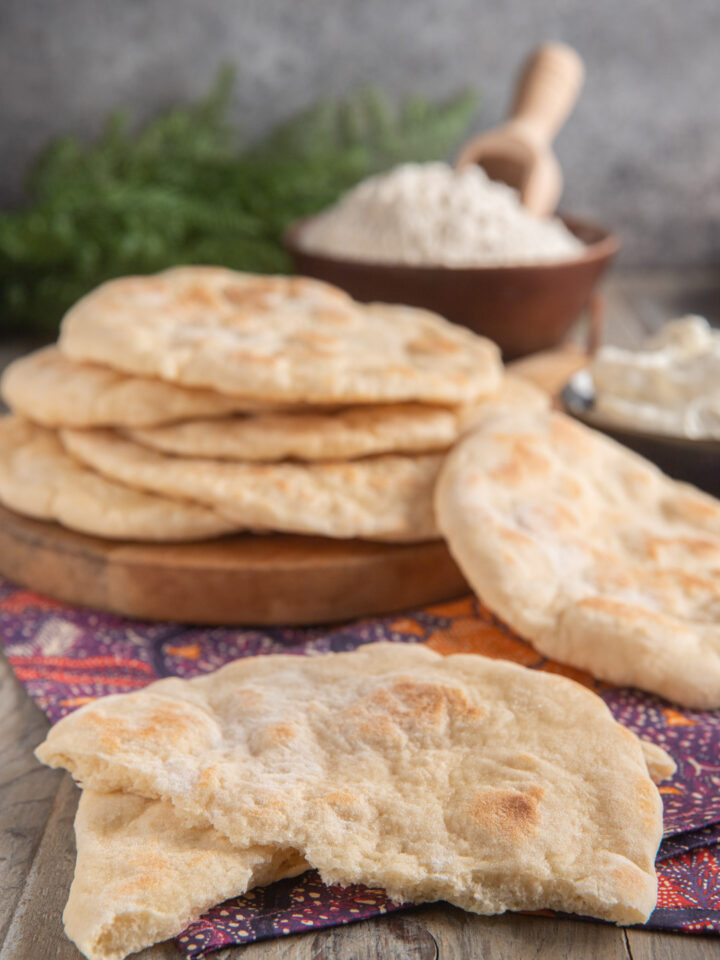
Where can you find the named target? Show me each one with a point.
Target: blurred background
(641, 152)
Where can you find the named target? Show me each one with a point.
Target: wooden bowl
(694, 461)
(524, 309)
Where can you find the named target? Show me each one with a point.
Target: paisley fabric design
(66, 657)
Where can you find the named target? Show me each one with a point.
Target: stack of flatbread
(459, 778)
(202, 401)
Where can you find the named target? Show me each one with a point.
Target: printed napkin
(66, 657)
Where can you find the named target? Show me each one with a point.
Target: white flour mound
(432, 214)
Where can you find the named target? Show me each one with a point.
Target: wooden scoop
(519, 151)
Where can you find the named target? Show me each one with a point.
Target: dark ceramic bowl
(523, 309)
(695, 461)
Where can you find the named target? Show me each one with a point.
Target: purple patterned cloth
(66, 657)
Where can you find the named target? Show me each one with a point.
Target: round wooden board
(249, 580)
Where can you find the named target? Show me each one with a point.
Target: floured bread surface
(588, 551)
(40, 480)
(56, 392)
(141, 876)
(387, 497)
(286, 339)
(464, 779)
(344, 434)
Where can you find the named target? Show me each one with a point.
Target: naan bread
(51, 390)
(40, 480)
(386, 498)
(285, 339)
(588, 551)
(464, 779)
(343, 434)
(141, 876)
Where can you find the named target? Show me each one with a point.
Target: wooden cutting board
(250, 580)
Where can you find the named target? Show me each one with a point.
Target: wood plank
(36, 930)
(648, 945)
(27, 790)
(461, 936)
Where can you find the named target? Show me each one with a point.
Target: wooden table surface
(37, 805)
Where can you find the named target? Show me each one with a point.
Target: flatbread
(462, 778)
(141, 876)
(56, 392)
(343, 434)
(40, 480)
(388, 497)
(285, 339)
(346, 434)
(589, 552)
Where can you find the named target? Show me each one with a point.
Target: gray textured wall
(641, 152)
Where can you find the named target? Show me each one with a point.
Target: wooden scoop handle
(546, 92)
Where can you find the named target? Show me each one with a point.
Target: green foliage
(183, 190)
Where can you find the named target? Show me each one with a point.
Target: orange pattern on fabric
(190, 651)
(25, 599)
(675, 719)
(87, 663)
(57, 676)
(406, 625)
(470, 635)
(455, 608)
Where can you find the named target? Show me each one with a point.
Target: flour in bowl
(431, 214)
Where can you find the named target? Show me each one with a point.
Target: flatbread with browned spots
(379, 498)
(39, 479)
(344, 434)
(588, 551)
(464, 779)
(49, 389)
(285, 339)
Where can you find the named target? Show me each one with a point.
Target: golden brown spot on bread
(570, 487)
(625, 612)
(428, 702)
(508, 812)
(433, 343)
(149, 875)
(331, 315)
(198, 295)
(210, 776)
(523, 461)
(250, 296)
(341, 802)
(165, 723)
(278, 734)
(665, 549)
(409, 707)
